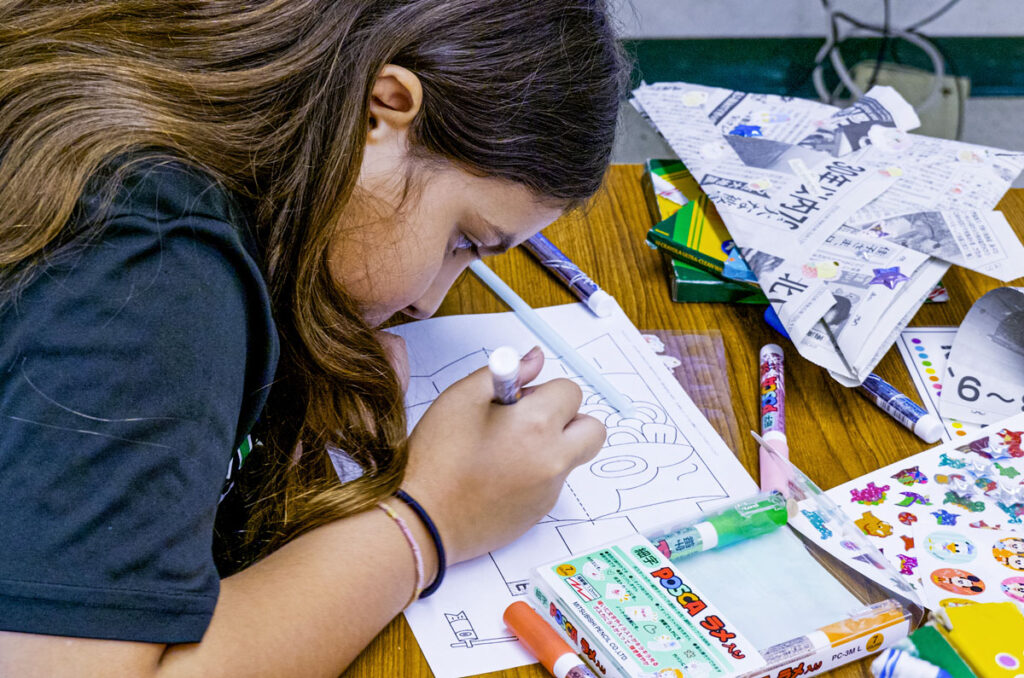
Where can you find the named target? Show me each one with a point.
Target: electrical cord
(830, 51)
(883, 47)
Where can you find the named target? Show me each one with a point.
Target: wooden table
(835, 435)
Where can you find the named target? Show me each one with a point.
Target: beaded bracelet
(434, 534)
(417, 555)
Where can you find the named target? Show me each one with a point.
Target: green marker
(745, 520)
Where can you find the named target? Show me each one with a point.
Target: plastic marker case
(630, 612)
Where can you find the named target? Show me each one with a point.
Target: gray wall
(806, 18)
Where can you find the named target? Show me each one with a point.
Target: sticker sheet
(925, 350)
(974, 484)
(961, 566)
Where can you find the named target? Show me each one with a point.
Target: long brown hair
(271, 99)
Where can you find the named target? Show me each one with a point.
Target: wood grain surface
(834, 434)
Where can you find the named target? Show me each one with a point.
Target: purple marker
(553, 259)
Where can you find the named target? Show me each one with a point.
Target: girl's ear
(395, 100)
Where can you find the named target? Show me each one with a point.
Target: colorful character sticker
(982, 525)
(1010, 552)
(957, 581)
(1005, 444)
(911, 476)
(1013, 587)
(911, 498)
(872, 525)
(907, 518)
(872, 495)
(815, 519)
(964, 502)
(944, 517)
(951, 547)
(1007, 471)
(1011, 442)
(946, 460)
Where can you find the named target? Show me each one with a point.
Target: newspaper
(982, 241)
(985, 369)
(846, 217)
(853, 283)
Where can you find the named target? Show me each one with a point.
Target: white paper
(924, 350)
(666, 462)
(985, 368)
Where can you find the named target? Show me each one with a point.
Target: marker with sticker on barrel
(773, 418)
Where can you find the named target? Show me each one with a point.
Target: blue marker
(578, 282)
(925, 426)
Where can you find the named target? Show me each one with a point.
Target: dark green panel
(783, 65)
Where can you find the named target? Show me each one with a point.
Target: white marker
(504, 365)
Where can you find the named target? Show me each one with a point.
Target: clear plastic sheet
(697, 359)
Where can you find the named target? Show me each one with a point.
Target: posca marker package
(643, 614)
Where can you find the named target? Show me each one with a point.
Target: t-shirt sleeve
(123, 374)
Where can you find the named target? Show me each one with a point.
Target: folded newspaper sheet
(846, 218)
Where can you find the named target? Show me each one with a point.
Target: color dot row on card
(934, 379)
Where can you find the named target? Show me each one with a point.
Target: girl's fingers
(585, 435)
(530, 365)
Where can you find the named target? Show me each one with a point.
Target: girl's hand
(486, 472)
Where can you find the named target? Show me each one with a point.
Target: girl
(207, 210)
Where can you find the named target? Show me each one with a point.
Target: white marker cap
(929, 428)
(504, 362)
(602, 304)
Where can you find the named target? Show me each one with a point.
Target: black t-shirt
(131, 368)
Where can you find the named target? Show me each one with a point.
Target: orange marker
(544, 642)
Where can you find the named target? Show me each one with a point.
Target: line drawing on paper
(467, 635)
(645, 465)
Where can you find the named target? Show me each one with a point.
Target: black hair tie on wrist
(434, 534)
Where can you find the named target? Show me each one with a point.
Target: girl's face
(413, 226)
(394, 255)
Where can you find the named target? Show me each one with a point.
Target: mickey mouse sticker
(1010, 552)
(957, 581)
(1014, 588)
